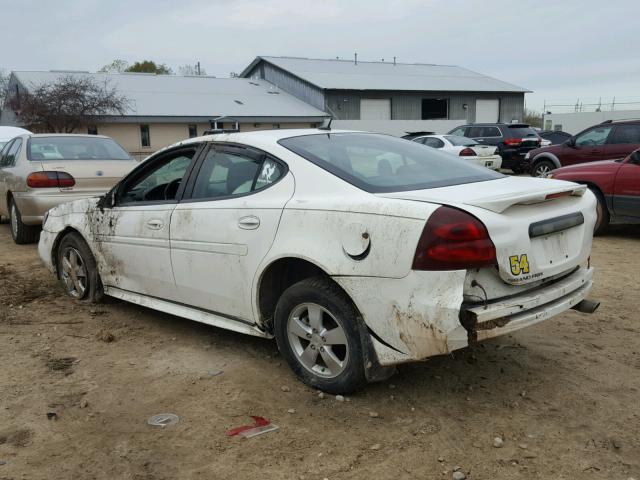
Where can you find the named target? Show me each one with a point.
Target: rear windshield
(381, 163)
(75, 148)
(459, 141)
(521, 132)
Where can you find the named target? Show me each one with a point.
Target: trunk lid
(541, 228)
(91, 176)
(483, 150)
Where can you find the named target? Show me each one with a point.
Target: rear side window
(480, 131)
(75, 148)
(381, 163)
(11, 153)
(226, 174)
(626, 134)
(433, 142)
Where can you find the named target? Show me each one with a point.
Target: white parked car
(467, 148)
(356, 251)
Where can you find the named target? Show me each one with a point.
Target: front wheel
(316, 327)
(542, 168)
(77, 269)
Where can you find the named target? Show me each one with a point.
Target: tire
(77, 269)
(21, 233)
(542, 168)
(602, 222)
(315, 320)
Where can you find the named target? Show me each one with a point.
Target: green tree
(149, 66)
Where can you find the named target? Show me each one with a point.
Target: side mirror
(571, 142)
(635, 157)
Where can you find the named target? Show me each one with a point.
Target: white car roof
(7, 133)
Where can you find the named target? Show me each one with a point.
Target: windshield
(458, 141)
(75, 148)
(522, 132)
(381, 163)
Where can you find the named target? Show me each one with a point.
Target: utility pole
(198, 68)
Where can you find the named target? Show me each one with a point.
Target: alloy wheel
(542, 171)
(318, 340)
(74, 272)
(14, 220)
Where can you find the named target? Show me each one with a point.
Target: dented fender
(410, 318)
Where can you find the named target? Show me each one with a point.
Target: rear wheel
(602, 221)
(316, 327)
(20, 232)
(542, 168)
(77, 269)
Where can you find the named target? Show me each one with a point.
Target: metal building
(382, 91)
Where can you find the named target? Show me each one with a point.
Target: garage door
(375, 109)
(487, 111)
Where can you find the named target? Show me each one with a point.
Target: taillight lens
(50, 180)
(453, 240)
(512, 142)
(467, 152)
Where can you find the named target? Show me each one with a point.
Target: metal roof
(153, 95)
(349, 75)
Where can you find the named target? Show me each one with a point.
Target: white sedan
(356, 251)
(467, 148)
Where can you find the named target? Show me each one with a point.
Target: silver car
(39, 172)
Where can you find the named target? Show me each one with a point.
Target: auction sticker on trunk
(519, 264)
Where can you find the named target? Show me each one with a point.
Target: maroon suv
(609, 140)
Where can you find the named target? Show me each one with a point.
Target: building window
(193, 131)
(435, 108)
(92, 129)
(145, 138)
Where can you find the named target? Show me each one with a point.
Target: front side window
(145, 137)
(74, 147)
(595, 136)
(381, 163)
(229, 173)
(162, 182)
(626, 134)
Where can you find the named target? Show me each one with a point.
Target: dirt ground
(564, 395)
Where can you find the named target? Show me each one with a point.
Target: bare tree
(117, 66)
(4, 85)
(533, 118)
(191, 70)
(67, 104)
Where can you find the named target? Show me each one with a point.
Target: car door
(587, 146)
(624, 140)
(225, 226)
(626, 193)
(5, 175)
(133, 236)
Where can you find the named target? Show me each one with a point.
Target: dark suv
(513, 140)
(609, 140)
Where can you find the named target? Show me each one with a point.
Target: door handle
(155, 224)
(250, 222)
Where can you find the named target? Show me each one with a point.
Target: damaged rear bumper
(423, 314)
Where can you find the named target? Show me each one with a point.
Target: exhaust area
(586, 306)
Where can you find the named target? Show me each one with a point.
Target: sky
(564, 51)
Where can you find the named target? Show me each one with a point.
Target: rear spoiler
(500, 203)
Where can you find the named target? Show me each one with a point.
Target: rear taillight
(512, 142)
(50, 180)
(453, 240)
(467, 152)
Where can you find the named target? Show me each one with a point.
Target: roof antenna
(355, 57)
(327, 126)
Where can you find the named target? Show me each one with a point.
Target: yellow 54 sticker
(519, 264)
